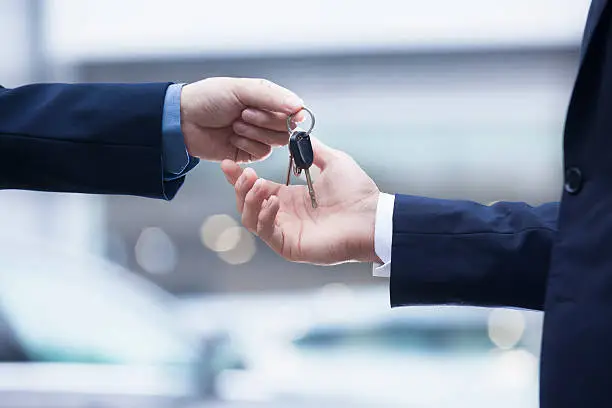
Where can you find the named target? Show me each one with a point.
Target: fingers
(262, 135)
(267, 229)
(257, 200)
(255, 149)
(261, 205)
(270, 120)
(265, 95)
(243, 186)
(267, 120)
(232, 171)
(252, 204)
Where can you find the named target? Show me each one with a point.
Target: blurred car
(78, 331)
(348, 347)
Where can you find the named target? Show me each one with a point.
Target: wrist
(187, 125)
(365, 251)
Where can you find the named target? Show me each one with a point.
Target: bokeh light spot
(218, 233)
(506, 327)
(155, 252)
(243, 251)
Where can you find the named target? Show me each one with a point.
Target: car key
(301, 155)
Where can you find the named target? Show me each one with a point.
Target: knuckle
(253, 116)
(265, 83)
(251, 198)
(238, 127)
(246, 131)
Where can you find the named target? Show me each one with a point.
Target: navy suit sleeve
(461, 252)
(87, 138)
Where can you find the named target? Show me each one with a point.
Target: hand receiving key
(301, 155)
(340, 229)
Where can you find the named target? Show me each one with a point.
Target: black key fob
(301, 150)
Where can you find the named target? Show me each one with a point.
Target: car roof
(28, 255)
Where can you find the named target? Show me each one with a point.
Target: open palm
(340, 229)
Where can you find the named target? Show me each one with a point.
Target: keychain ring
(312, 118)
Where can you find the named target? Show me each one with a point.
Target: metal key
(301, 155)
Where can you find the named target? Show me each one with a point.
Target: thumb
(266, 95)
(323, 154)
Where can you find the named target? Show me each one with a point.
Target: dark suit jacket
(555, 257)
(88, 138)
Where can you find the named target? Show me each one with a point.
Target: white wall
(128, 28)
(14, 67)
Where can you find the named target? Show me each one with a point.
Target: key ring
(312, 118)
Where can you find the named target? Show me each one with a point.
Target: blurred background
(126, 302)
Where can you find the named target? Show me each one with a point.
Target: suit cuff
(176, 159)
(383, 234)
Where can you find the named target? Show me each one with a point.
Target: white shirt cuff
(383, 234)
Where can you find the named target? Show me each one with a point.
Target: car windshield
(83, 310)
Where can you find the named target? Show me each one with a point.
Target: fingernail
(248, 172)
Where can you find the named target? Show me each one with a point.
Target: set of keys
(301, 154)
